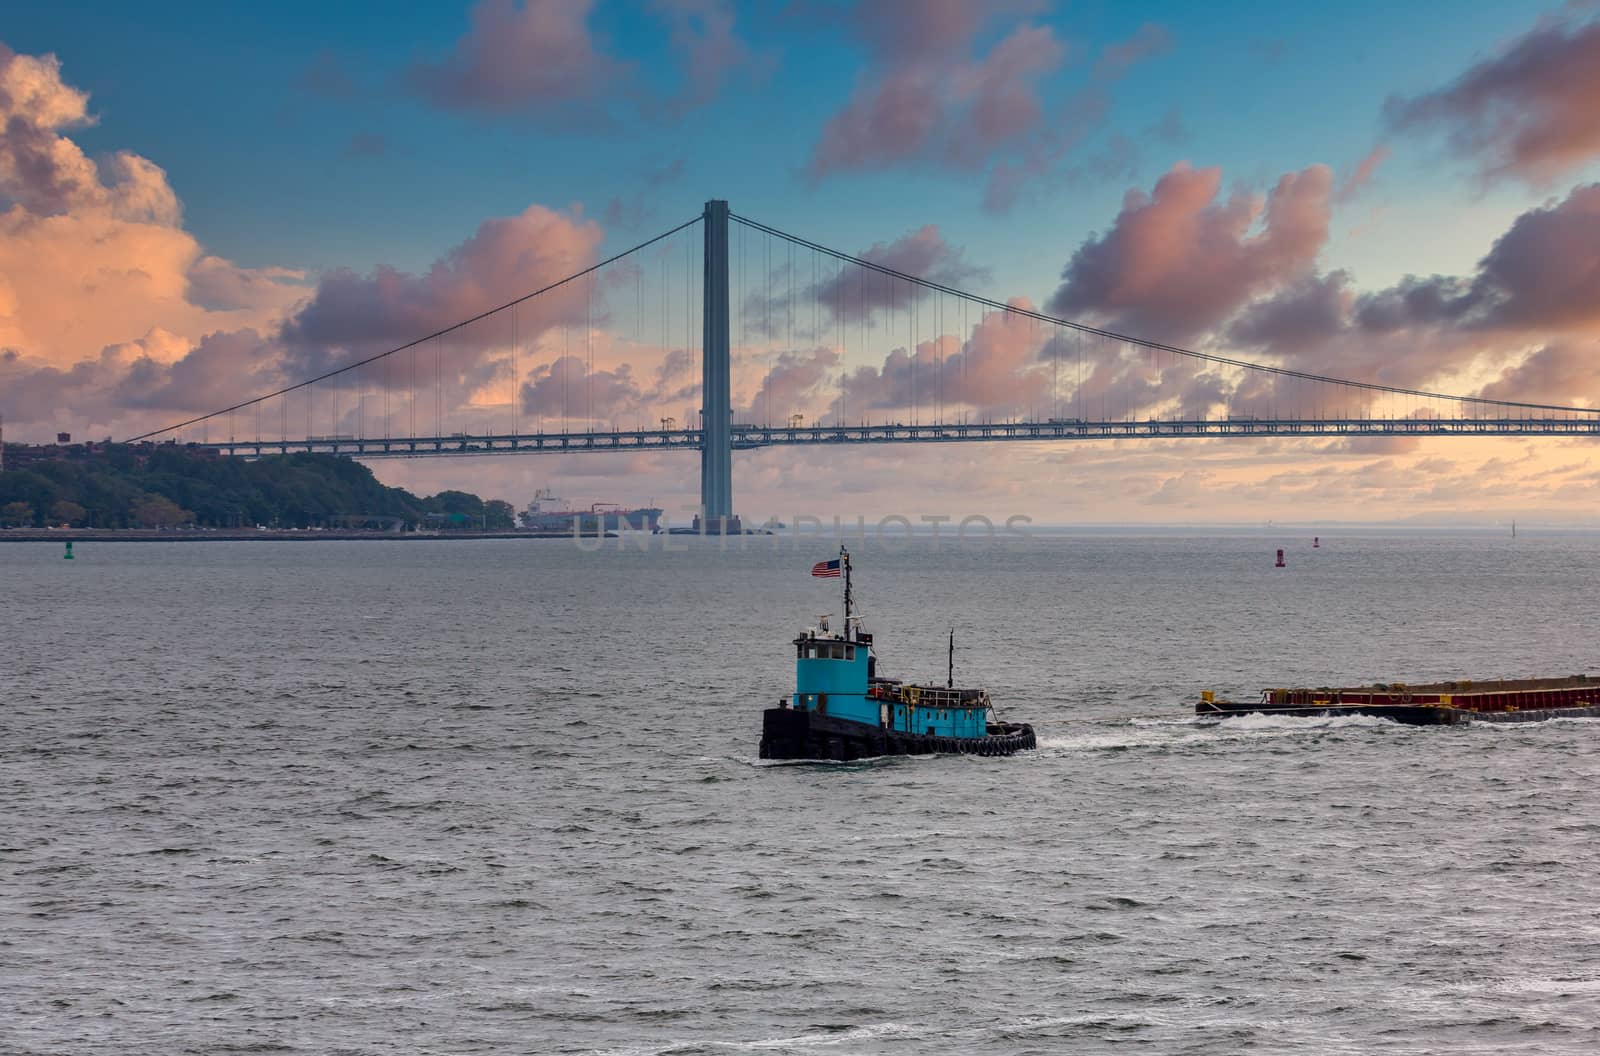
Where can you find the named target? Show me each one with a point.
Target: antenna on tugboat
(950, 677)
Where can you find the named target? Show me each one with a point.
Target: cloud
(1511, 329)
(702, 34)
(353, 314)
(75, 232)
(566, 389)
(1043, 163)
(928, 95)
(542, 57)
(1149, 40)
(175, 331)
(1545, 270)
(46, 174)
(799, 382)
(220, 285)
(1531, 112)
(1180, 261)
(855, 292)
(214, 373)
(1542, 274)
(518, 57)
(1562, 372)
(1362, 175)
(1313, 308)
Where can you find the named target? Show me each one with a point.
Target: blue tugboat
(843, 709)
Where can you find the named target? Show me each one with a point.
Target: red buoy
(1280, 559)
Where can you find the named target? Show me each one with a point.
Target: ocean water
(503, 797)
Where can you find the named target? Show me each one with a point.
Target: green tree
(17, 514)
(65, 511)
(500, 515)
(158, 511)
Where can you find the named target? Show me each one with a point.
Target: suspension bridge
(843, 349)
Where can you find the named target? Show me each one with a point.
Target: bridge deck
(746, 437)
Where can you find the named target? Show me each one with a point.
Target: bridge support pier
(716, 414)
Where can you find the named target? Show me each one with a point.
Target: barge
(843, 709)
(1433, 704)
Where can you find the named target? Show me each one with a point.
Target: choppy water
(502, 797)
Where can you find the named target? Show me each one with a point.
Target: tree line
(162, 486)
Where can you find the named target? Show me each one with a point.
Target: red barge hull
(1435, 704)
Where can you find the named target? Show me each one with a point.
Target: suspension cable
(1208, 357)
(412, 344)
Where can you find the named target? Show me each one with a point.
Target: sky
(203, 202)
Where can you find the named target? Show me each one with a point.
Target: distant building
(63, 438)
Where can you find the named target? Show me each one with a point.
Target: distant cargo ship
(1435, 704)
(546, 513)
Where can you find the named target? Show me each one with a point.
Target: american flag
(826, 569)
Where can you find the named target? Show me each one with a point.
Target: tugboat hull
(789, 733)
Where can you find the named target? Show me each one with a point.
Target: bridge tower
(716, 416)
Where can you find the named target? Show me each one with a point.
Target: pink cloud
(212, 374)
(927, 95)
(1362, 175)
(1562, 372)
(1539, 282)
(96, 269)
(1180, 261)
(542, 56)
(1531, 112)
(507, 257)
(518, 56)
(799, 382)
(566, 389)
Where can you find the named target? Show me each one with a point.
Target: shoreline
(228, 535)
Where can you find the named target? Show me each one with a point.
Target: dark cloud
(353, 314)
(1545, 270)
(1312, 309)
(567, 389)
(213, 374)
(924, 253)
(1563, 372)
(1531, 112)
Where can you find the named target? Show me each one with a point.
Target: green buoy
(68, 555)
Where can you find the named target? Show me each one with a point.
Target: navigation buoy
(1280, 560)
(68, 555)
(1316, 542)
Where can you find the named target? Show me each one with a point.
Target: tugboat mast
(844, 559)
